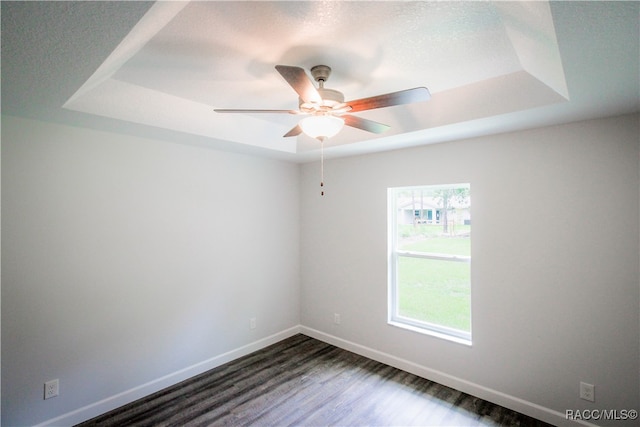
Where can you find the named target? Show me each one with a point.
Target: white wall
(555, 282)
(125, 260)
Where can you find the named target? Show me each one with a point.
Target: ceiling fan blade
(407, 96)
(231, 110)
(297, 130)
(364, 124)
(299, 81)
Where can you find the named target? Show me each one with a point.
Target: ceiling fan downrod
(320, 73)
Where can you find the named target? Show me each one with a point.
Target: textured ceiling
(159, 69)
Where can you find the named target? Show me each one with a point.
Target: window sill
(429, 332)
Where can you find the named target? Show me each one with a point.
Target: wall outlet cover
(51, 389)
(587, 392)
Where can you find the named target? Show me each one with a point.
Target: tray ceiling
(161, 69)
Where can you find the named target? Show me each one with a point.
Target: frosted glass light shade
(321, 126)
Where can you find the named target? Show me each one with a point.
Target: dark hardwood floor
(305, 382)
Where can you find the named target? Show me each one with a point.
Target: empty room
(259, 213)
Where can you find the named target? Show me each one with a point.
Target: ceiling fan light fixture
(321, 126)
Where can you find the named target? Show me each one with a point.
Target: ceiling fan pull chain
(322, 138)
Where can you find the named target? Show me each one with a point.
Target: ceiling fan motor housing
(330, 99)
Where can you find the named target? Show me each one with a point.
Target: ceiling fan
(326, 108)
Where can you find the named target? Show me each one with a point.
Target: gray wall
(125, 260)
(555, 285)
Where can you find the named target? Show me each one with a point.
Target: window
(430, 260)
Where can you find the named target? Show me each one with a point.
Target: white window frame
(394, 318)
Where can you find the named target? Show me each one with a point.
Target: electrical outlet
(252, 323)
(336, 318)
(587, 392)
(51, 389)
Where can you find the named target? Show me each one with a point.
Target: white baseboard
(528, 408)
(128, 396)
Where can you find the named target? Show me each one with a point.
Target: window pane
(431, 239)
(435, 219)
(434, 291)
(429, 263)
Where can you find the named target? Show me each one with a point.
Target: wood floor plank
(301, 381)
